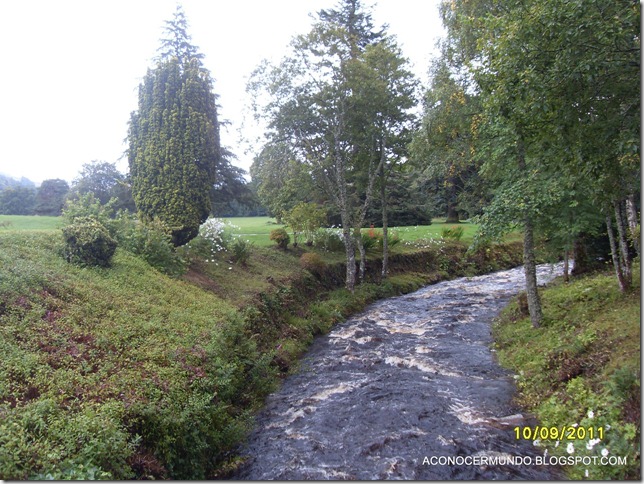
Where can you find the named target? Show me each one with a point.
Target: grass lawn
(29, 222)
(255, 229)
(258, 229)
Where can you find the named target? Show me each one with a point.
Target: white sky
(71, 68)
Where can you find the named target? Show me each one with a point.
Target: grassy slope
(93, 356)
(581, 368)
(125, 372)
(128, 372)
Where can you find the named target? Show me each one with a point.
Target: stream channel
(393, 391)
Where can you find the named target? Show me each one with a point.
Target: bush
(87, 242)
(241, 249)
(374, 238)
(312, 262)
(151, 241)
(328, 240)
(305, 218)
(453, 233)
(281, 238)
(87, 205)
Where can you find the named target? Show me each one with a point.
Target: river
(397, 390)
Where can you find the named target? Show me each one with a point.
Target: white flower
(591, 414)
(605, 452)
(571, 448)
(536, 443)
(586, 473)
(592, 443)
(557, 443)
(607, 427)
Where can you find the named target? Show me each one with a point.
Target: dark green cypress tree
(174, 146)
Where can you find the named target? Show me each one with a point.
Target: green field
(254, 229)
(258, 229)
(29, 222)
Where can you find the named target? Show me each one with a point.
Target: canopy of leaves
(174, 147)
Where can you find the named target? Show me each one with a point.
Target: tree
(560, 103)
(282, 181)
(443, 148)
(18, 200)
(325, 101)
(174, 146)
(51, 197)
(105, 181)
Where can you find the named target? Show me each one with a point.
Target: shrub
(328, 240)
(87, 205)
(241, 249)
(453, 233)
(151, 241)
(281, 238)
(87, 242)
(312, 262)
(305, 218)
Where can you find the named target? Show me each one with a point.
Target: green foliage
(151, 241)
(305, 218)
(374, 238)
(452, 233)
(280, 237)
(106, 183)
(328, 240)
(17, 200)
(241, 250)
(312, 262)
(51, 197)
(174, 146)
(586, 373)
(87, 242)
(88, 205)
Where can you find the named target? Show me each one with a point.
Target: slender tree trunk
(631, 212)
(530, 268)
(363, 254)
(566, 265)
(614, 253)
(529, 260)
(350, 251)
(625, 256)
(385, 221)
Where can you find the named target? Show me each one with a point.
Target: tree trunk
(614, 253)
(385, 222)
(350, 250)
(530, 268)
(452, 214)
(631, 212)
(363, 254)
(566, 265)
(625, 256)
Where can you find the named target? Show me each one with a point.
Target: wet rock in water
(408, 389)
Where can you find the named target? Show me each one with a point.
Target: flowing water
(394, 391)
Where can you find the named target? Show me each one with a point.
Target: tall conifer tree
(174, 146)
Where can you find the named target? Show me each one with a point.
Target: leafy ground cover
(581, 371)
(125, 372)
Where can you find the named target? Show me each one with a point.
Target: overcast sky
(71, 68)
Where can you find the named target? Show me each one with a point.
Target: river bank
(125, 373)
(393, 389)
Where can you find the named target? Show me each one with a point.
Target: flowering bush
(328, 239)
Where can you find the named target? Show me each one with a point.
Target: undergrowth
(581, 370)
(129, 373)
